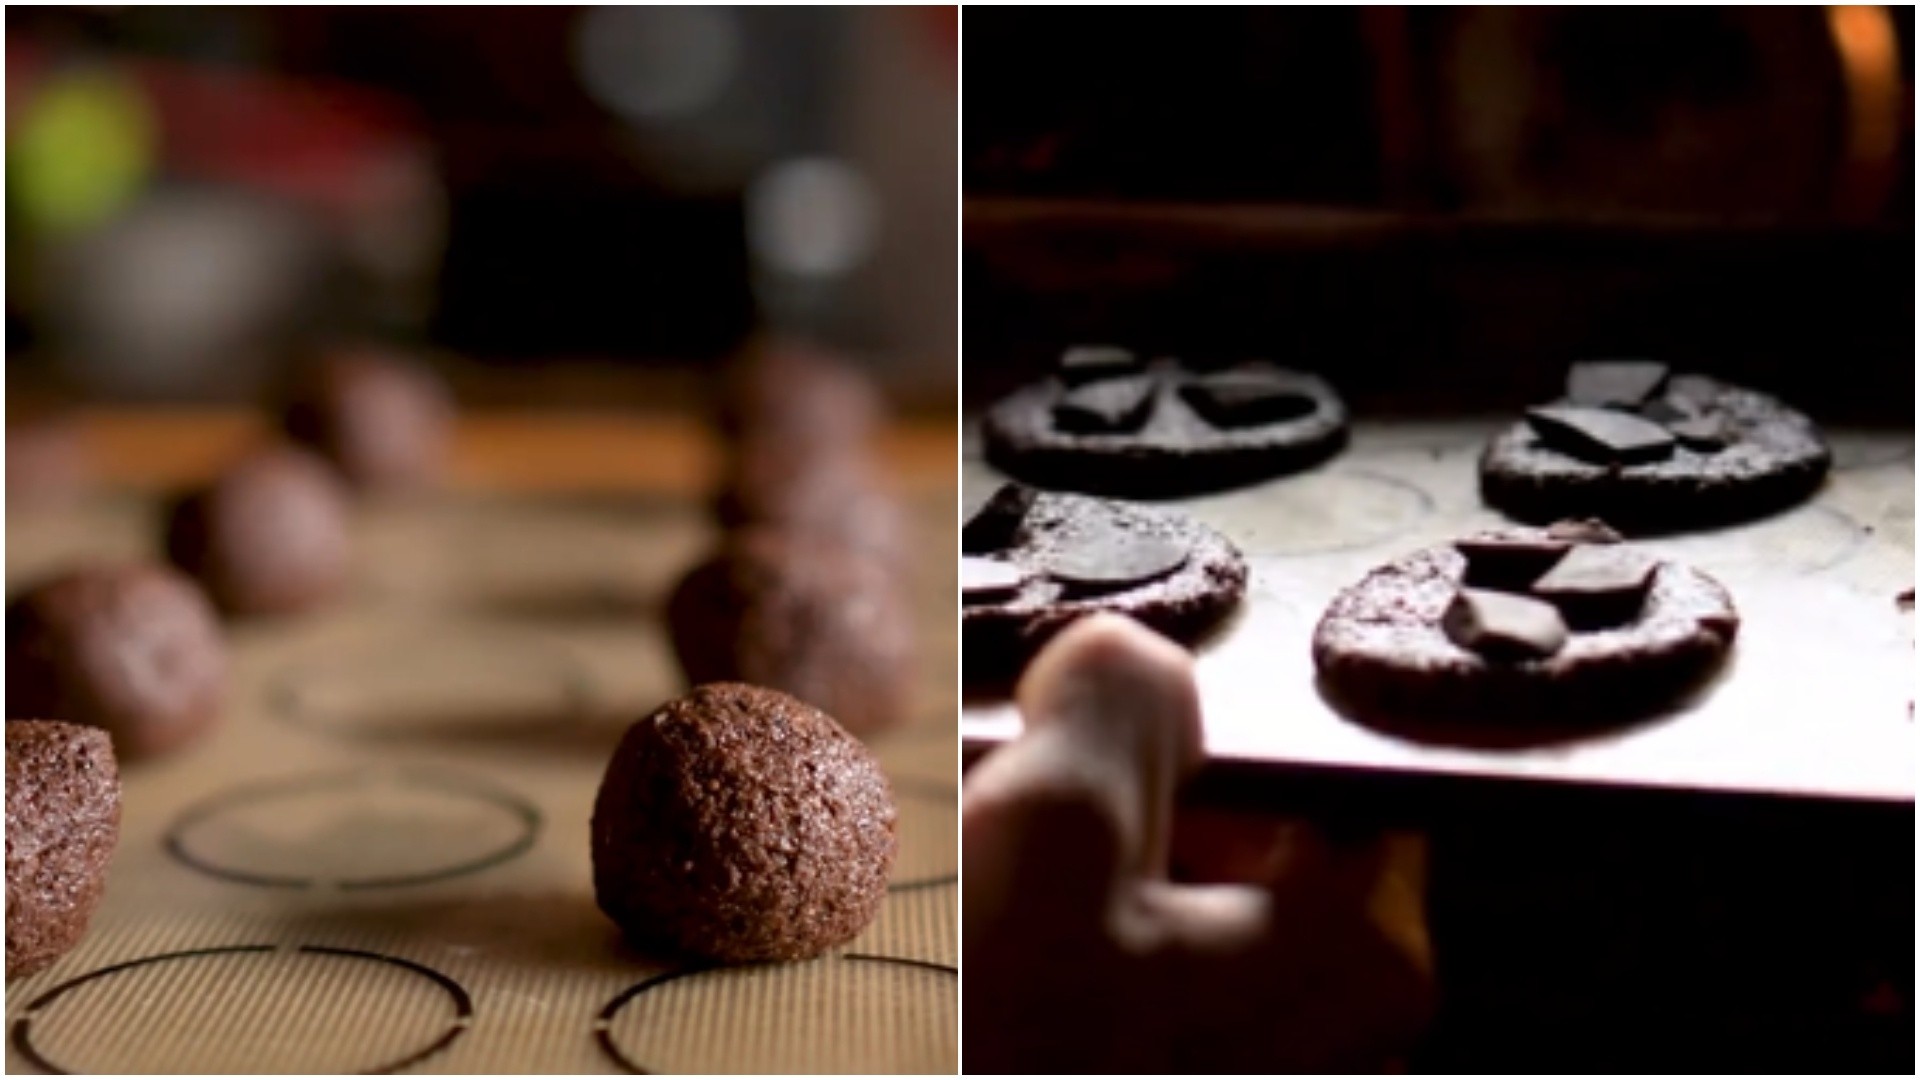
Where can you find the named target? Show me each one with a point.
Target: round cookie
(134, 649)
(1163, 431)
(800, 615)
(1759, 457)
(1073, 555)
(382, 421)
(1384, 646)
(63, 820)
(738, 824)
(268, 536)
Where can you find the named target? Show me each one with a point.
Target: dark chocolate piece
(1695, 392)
(1625, 384)
(1502, 626)
(1598, 586)
(1904, 599)
(1667, 411)
(1112, 563)
(989, 579)
(994, 525)
(1603, 436)
(1089, 363)
(63, 821)
(1583, 531)
(1707, 434)
(1237, 399)
(1508, 561)
(738, 824)
(1108, 407)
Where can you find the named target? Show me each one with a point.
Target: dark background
(1439, 207)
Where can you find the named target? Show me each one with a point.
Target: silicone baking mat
(1816, 700)
(379, 862)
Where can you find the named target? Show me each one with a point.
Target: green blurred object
(84, 148)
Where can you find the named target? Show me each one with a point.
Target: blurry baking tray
(1815, 701)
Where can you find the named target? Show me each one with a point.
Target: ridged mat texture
(379, 860)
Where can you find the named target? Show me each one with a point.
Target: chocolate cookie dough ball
(382, 421)
(798, 396)
(816, 620)
(134, 649)
(63, 819)
(46, 461)
(738, 824)
(832, 497)
(268, 536)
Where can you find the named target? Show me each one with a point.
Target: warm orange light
(1869, 53)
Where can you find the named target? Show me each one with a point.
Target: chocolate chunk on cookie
(1503, 560)
(63, 820)
(134, 649)
(1621, 384)
(1502, 626)
(1110, 406)
(740, 825)
(1604, 436)
(1598, 586)
(994, 523)
(1083, 364)
(1242, 399)
(1086, 555)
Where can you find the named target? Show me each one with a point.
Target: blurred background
(559, 205)
(1439, 207)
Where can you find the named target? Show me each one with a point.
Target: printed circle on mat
(1314, 513)
(359, 830)
(437, 681)
(927, 832)
(838, 1014)
(1805, 540)
(246, 1009)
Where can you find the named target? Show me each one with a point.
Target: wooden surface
(496, 450)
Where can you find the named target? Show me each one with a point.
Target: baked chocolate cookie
(134, 649)
(63, 820)
(818, 620)
(383, 421)
(268, 536)
(738, 824)
(1651, 451)
(1523, 625)
(1109, 424)
(1032, 562)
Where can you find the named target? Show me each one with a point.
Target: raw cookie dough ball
(833, 497)
(133, 648)
(46, 462)
(268, 536)
(382, 421)
(798, 396)
(815, 620)
(63, 819)
(738, 824)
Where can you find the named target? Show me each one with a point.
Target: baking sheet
(380, 860)
(1815, 701)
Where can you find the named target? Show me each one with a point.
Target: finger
(1118, 705)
